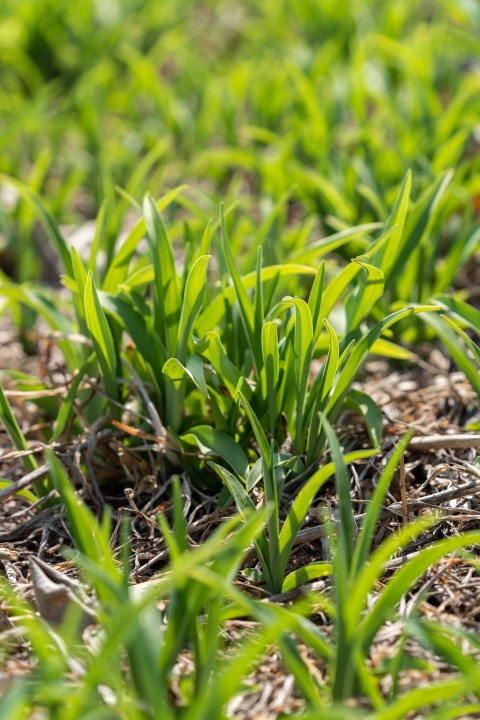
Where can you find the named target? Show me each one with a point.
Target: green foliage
(339, 137)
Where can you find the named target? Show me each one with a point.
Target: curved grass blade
(304, 500)
(320, 394)
(212, 315)
(458, 353)
(405, 579)
(244, 505)
(364, 296)
(306, 573)
(47, 219)
(360, 352)
(192, 372)
(211, 347)
(332, 242)
(118, 270)
(369, 410)
(473, 347)
(214, 442)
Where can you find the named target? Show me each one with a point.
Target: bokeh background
(328, 100)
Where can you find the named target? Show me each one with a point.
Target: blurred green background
(337, 98)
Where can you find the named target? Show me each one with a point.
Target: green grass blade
(457, 352)
(364, 296)
(370, 522)
(247, 311)
(47, 218)
(332, 242)
(473, 347)
(100, 229)
(369, 410)
(118, 269)
(167, 300)
(360, 352)
(417, 223)
(339, 284)
(192, 303)
(214, 442)
(191, 372)
(303, 356)
(406, 578)
(245, 505)
(80, 276)
(270, 491)
(88, 535)
(271, 369)
(213, 315)
(211, 347)
(315, 301)
(319, 394)
(304, 500)
(41, 486)
(385, 257)
(461, 311)
(346, 532)
(101, 337)
(304, 574)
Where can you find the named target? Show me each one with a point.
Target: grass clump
(313, 200)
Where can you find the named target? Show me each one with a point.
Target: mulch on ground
(105, 471)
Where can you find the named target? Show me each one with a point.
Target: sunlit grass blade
(213, 315)
(369, 524)
(364, 296)
(320, 393)
(191, 372)
(80, 276)
(473, 347)
(417, 222)
(407, 576)
(167, 300)
(244, 505)
(271, 367)
(192, 303)
(385, 257)
(457, 352)
(118, 269)
(102, 338)
(306, 573)
(212, 348)
(360, 352)
(100, 229)
(245, 304)
(91, 538)
(315, 301)
(332, 242)
(304, 499)
(303, 356)
(47, 218)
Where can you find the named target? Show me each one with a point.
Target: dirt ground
(425, 394)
